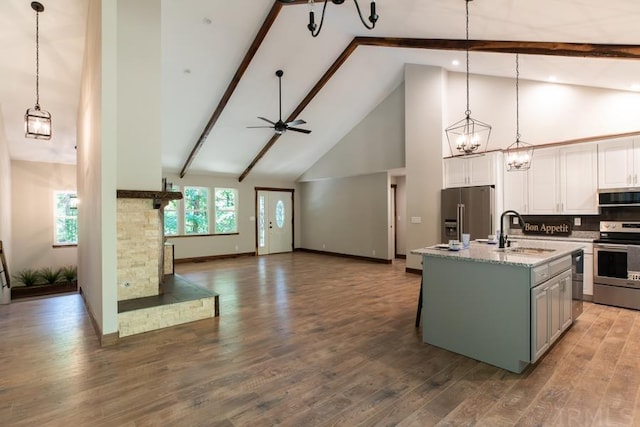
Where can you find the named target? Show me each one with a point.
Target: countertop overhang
(490, 253)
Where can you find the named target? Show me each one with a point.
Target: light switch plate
(416, 220)
(577, 222)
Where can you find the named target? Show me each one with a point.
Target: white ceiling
(204, 41)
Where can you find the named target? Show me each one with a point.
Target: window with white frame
(171, 217)
(65, 218)
(226, 210)
(196, 210)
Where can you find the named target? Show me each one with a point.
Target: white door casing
(275, 221)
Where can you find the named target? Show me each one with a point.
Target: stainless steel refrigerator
(467, 210)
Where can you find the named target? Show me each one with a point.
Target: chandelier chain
(517, 98)
(37, 60)
(468, 112)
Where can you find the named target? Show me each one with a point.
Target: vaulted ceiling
(204, 43)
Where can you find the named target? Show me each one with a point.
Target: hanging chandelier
(373, 17)
(519, 154)
(37, 122)
(468, 136)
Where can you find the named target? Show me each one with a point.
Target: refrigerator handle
(460, 221)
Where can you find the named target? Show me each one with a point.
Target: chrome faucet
(503, 238)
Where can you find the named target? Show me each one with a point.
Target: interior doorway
(274, 220)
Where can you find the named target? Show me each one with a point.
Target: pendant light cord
(37, 60)
(517, 99)
(467, 112)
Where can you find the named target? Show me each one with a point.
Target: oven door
(611, 265)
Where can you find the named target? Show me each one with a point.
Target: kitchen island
(504, 307)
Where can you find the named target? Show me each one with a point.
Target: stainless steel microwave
(622, 197)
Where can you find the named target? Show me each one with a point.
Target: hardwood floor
(304, 340)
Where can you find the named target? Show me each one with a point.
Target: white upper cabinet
(470, 171)
(564, 180)
(516, 191)
(618, 163)
(544, 177)
(579, 180)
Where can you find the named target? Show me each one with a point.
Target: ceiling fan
(280, 126)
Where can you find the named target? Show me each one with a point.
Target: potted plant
(49, 275)
(69, 273)
(27, 277)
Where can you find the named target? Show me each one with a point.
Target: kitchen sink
(526, 251)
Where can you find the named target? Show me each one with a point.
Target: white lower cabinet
(550, 312)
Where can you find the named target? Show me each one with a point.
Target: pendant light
(468, 136)
(37, 122)
(312, 27)
(519, 154)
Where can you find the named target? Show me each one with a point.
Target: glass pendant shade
(518, 156)
(37, 123)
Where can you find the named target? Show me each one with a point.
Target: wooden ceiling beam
(585, 50)
(303, 104)
(248, 57)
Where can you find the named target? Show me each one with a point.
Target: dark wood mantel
(142, 194)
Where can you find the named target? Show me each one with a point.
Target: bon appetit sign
(548, 227)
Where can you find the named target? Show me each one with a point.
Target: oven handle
(620, 248)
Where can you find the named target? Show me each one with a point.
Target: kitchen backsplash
(589, 224)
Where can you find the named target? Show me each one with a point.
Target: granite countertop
(483, 252)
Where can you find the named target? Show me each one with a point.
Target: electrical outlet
(514, 220)
(577, 221)
(126, 284)
(324, 246)
(374, 252)
(237, 248)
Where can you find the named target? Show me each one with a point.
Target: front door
(275, 221)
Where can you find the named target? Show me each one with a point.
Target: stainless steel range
(617, 264)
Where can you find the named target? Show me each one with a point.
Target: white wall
(139, 99)
(33, 186)
(549, 112)
(424, 127)
(5, 209)
(245, 240)
(375, 144)
(347, 215)
(96, 167)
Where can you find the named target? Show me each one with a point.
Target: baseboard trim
(401, 256)
(358, 257)
(105, 340)
(413, 270)
(211, 257)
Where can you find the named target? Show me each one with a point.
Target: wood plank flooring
(304, 340)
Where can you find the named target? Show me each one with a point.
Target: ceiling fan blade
(296, 122)
(266, 120)
(299, 130)
(259, 127)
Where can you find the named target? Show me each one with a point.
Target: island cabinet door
(555, 326)
(539, 321)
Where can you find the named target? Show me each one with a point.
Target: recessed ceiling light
(635, 86)
(206, 21)
(187, 71)
(455, 62)
(553, 79)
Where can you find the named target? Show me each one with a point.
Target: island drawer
(546, 271)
